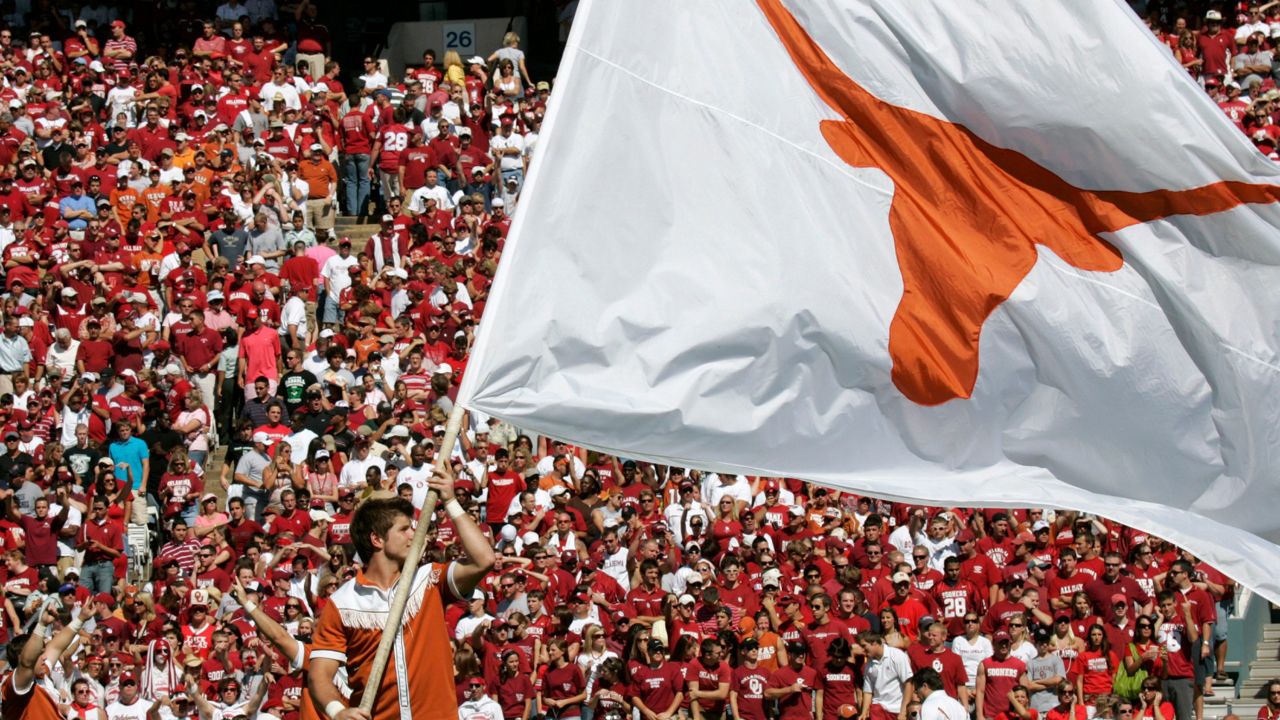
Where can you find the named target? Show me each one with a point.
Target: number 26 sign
(461, 37)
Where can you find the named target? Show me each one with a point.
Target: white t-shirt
(901, 540)
(337, 271)
(971, 653)
(137, 711)
(353, 472)
(417, 477)
(468, 625)
(941, 706)
(294, 312)
(1026, 652)
(508, 162)
(290, 93)
(713, 489)
(615, 566)
(885, 677)
(122, 99)
(418, 201)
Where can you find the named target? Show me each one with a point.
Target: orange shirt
(185, 158)
(154, 196)
(350, 627)
(148, 262)
(201, 183)
(320, 177)
(122, 201)
(364, 346)
(35, 704)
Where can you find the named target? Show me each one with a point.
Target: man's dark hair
(13, 651)
(375, 517)
(927, 677)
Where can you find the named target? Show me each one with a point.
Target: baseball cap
(798, 647)
(656, 645)
(687, 599)
(1213, 16)
(1119, 599)
(1039, 525)
(1001, 636)
(901, 577)
(262, 437)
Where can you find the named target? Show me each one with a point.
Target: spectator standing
(935, 703)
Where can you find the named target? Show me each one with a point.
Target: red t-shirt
(1097, 671)
(656, 687)
(947, 664)
(503, 488)
(709, 680)
(356, 133)
(564, 682)
(839, 687)
(749, 684)
(395, 140)
(797, 705)
(1001, 677)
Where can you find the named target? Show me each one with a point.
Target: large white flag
(996, 253)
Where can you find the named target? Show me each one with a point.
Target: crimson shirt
(797, 705)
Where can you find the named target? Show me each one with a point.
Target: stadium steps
(358, 232)
(1263, 668)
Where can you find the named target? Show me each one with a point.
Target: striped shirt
(124, 43)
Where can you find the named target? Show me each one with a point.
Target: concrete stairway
(359, 233)
(1265, 667)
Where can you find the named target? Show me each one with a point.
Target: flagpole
(403, 587)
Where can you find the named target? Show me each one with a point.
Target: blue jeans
(98, 577)
(355, 176)
(255, 502)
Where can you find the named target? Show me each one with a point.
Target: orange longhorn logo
(966, 217)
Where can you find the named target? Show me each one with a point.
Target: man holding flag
(352, 623)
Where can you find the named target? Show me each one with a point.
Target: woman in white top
(510, 50)
(193, 424)
(972, 647)
(592, 653)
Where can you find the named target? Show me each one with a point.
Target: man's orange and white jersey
(31, 703)
(350, 627)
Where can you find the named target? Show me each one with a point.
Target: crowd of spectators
(176, 300)
(1231, 50)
